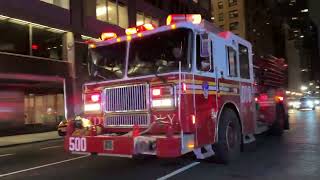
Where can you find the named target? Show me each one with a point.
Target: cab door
(204, 89)
(247, 108)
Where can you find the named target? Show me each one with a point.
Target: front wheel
(228, 146)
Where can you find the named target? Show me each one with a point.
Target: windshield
(109, 60)
(159, 53)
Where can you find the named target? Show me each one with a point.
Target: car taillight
(162, 97)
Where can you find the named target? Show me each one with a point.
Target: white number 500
(77, 144)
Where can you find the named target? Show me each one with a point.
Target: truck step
(203, 155)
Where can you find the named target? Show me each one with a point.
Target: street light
(303, 88)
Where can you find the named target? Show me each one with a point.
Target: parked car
(62, 128)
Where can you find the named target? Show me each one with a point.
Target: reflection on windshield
(159, 53)
(109, 60)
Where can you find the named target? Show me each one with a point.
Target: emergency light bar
(108, 35)
(193, 18)
(141, 28)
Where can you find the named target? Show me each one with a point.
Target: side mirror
(92, 67)
(205, 45)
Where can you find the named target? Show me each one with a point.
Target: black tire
(60, 133)
(228, 147)
(279, 124)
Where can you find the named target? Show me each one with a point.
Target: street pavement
(296, 155)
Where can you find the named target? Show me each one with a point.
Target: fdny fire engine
(171, 90)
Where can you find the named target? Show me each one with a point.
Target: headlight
(316, 102)
(310, 103)
(162, 103)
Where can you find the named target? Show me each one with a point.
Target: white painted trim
(178, 171)
(42, 166)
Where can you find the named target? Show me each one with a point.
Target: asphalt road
(294, 156)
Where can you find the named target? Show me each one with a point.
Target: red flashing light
(225, 34)
(141, 28)
(34, 47)
(108, 35)
(156, 92)
(95, 97)
(193, 18)
(193, 117)
(184, 87)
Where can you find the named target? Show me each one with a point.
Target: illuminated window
(220, 5)
(234, 26)
(232, 3)
(143, 19)
(233, 14)
(221, 18)
(123, 16)
(112, 12)
(61, 3)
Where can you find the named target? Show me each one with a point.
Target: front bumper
(125, 146)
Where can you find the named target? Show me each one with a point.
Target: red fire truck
(167, 91)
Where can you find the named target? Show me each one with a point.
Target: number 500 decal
(77, 144)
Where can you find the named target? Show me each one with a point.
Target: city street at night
(296, 155)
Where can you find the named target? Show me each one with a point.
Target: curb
(24, 143)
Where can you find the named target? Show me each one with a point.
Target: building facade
(230, 15)
(43, 51)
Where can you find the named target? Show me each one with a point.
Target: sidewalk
(7, 141)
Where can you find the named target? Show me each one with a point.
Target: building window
(232, 3)
(22, 37)
(143, 19)
(112, 12)
(222, 27)
(233, 14)
(61, 3)
(232, 62)
(244, 62)
(14, 38)
(220, 17)
(234, 26)
(46, 44)
(220, 5)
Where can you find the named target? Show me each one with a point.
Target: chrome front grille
(127, 98)
(127, 120)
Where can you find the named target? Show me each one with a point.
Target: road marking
(177, 171)
(42, 166)
(51, 147)
(4, 155)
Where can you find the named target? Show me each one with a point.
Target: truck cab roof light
(193, 18)
(108, 35)
(138, 29)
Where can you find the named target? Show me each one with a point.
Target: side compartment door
(204, 93)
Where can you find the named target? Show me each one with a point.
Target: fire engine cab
(167, 91)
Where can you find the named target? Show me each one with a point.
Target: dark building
(283, 28)
(43, 54)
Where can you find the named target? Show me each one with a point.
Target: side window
(232, 62)
(244, 62)
(203, 63)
